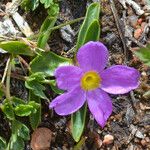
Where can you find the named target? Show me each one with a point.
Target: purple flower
(90, 82)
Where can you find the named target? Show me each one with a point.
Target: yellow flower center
(90, 80)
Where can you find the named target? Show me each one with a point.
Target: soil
(129, 123)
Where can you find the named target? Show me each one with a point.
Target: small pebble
(98, 143)
(139, 21)
(137, 33)
(147, 139)
(108, 139)
(143, 142)
(143, 73)
(139, 134)
(41, 139)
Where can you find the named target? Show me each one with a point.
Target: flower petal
(100, 105)
(119, 79)
(69, 102)
(67, 77)
(92, 56)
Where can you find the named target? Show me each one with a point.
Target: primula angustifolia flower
(90, 82)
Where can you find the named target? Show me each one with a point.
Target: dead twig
(133, 101)
(114, 11)
(11, 10)
(133, 4)
(136, 42)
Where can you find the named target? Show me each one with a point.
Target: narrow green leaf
(92, 14)
(2, 143)
(78, 123)
(89, 31)
(80, 144)
(1, 93)
(93, 32)
(17, 48)
(47, 62)
(144, 54)
(45, 31)
(8, 110)
(35, 118)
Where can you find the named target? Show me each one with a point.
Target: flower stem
(57, 27)
(19, 77)
(67, 23)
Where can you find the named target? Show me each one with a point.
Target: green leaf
(1, 92)
(34, 104)
(36, 87)
(46, 3)
(34, 83)
(29, 4)
(8, 110)
(2, 143)
(16, 143)
(17, 101)
(55, 88)
(19, 132)
(89, 31)
(47, 62)
(93, 32)
(78, 123)
(38, 76)
(92, 14)
(35, 118)
(24, 132)
(144, 54)
(24, 110)
(45, 31)
(17, 48)
(80, 144)
(53, 10)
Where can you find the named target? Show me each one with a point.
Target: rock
(143, 142)
(137, 33)
(133, 20)
(135, 131)
(129, 114)
(41, 139)
(67, 33)
(108, 139)
(139, 134)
